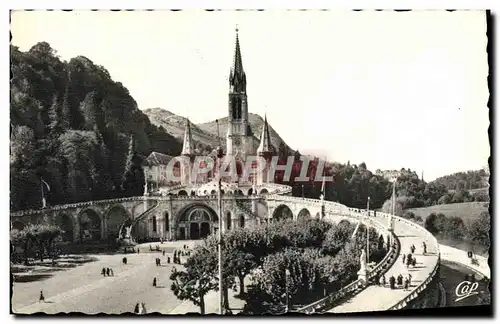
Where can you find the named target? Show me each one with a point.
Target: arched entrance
(250, 192)
(115, 219)
(264, 191)
(197, 222)
(242, 221)
(90, 226)
(182, 193)
(304, 214)
(282, 212)
(65, 223)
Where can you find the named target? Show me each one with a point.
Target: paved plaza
(84, 289)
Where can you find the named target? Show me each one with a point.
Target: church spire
(265, 138)
(187, 146)
(237, 77)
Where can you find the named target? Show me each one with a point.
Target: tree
(199, 276)
(133, 178)
(430, 223)
(387, 207)
(337, 236)
(46, 236)
(92, 113)
(479, 230)
(186, 286)
(444, 199)
(55, 117)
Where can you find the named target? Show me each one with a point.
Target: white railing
(330, 207)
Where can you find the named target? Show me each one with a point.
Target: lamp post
(219, 205)
(287, 276)
(368, 232)
(302, 191)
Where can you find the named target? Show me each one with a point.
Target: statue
(128, 230)
(145, 188)
(362, 260)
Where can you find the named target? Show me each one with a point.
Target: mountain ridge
(206, 133)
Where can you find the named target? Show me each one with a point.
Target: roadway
(379, 298)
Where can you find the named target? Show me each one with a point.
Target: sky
(391, 89)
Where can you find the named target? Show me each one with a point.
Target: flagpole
(43, 194)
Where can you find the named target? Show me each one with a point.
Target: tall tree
(133, 178)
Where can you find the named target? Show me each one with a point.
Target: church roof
(265, 139)
(156, 158)
(237, 76)
(187, 145)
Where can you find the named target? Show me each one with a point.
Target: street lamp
(302, 191)
(287, 276)
(368, 232)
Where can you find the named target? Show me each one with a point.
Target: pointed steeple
(237, 77)
(187, 146)
(265, 138)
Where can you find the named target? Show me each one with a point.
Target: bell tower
(239, 134)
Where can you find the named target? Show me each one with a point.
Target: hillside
(206, 133)
(466, 211)
(473, 179)
(74, 126)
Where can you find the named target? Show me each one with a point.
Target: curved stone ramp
(452, 254)
(378, 298)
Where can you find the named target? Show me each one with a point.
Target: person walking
(392, 282)
(107, 272)
(414, 262)
(103, 272)
(424, 246)
(168, 259)
(383, 280)
(42, 297)
(154, 282)
(136, 309)
(404, 258)
(400, 280)
(112, 273)
(409, 260)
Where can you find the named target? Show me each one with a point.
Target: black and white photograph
(249, 162)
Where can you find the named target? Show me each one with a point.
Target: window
(154, 224)
(228, 220)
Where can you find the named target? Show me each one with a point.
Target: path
(452, 254)
(378, 298)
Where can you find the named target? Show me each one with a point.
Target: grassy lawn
(466, 211)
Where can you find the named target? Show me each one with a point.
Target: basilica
(240, 144)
